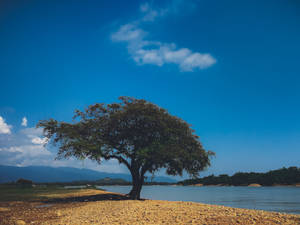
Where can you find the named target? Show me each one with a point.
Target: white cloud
(152, 56)
(31, 131)
(128, 32)
(39, 141)
(197, 60)
(4, 127)
(176, 56)
(26, 143)
(150, 14)
(27, 151)
(27, 147)
(24, 122)
(144, 51)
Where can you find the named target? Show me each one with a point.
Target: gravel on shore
(112, 210)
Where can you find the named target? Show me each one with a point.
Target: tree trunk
(137, 183)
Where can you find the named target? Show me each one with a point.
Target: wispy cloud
(150, 14)
(145, 51)
(129, 33)
(4, 127)
(24, 122)
(23, 146)
(26, 147)
(39, 141)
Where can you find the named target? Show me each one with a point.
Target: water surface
(279, 199)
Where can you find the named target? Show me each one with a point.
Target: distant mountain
(62, 174)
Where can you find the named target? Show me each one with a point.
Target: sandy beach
(100, 207)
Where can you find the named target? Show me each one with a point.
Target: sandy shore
(99, 207)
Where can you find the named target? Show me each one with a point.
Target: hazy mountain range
(61, 174)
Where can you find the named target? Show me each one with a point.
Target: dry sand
(99, 207)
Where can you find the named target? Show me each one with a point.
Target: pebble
(20, 222)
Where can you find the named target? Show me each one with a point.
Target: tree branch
(145, 168)
(121, 160)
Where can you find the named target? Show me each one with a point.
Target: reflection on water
(279, 199)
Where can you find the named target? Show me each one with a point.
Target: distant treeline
(284, 176)
(101, 182)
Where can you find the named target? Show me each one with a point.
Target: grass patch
(11, 192)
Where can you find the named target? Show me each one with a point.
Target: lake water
(279, 199)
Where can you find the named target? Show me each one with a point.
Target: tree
(137, 133)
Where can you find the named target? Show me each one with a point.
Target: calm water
(279, 199)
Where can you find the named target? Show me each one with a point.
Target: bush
(24, 183)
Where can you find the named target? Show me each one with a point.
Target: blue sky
(229, 68)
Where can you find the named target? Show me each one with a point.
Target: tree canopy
(139, 134)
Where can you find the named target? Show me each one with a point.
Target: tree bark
(137, 183)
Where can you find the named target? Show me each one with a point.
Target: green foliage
(137, 133)
(284, 176)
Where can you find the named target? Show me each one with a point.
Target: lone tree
(135, 132)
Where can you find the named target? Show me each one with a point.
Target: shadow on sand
(89, 198)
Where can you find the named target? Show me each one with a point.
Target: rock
(58, 213)
(20, 222)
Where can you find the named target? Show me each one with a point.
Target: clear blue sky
(229, 68)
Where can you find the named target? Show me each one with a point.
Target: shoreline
(250, 185)
(207, 185)
(90, 206)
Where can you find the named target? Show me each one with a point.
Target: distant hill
(62, 174)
